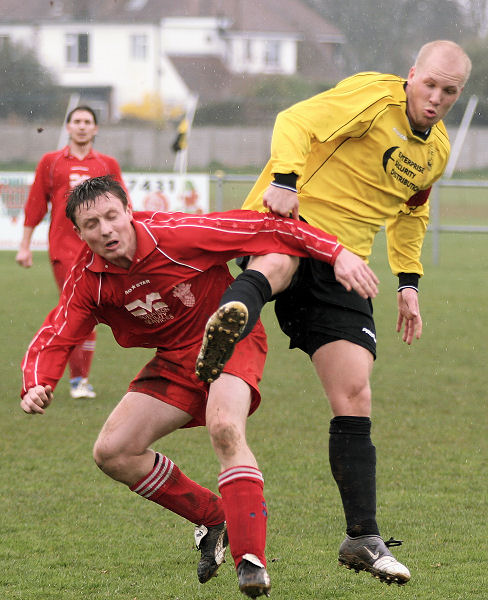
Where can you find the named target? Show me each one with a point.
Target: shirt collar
(67, 153)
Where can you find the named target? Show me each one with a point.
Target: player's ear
(76, 229)
(411, 73)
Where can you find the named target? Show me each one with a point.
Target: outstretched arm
(66, 326)
(354, 274)
(409, 315)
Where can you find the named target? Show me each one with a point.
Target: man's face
(106, 226)
(81, 127)
(433, 88)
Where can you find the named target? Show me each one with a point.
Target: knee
(107, 457)
(277, 268)
(226, 438)
(354, 401)
(361, 397)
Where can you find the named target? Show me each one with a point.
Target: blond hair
(447, 46)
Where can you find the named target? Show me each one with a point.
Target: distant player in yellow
(350, 160)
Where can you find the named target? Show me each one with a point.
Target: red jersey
(177, 277)
(56, 175)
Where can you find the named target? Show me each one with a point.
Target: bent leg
(277, 268)
(122, 448)
(264, 277)
(240, 482)
(122, 452)
(344, 370)
(239, 310)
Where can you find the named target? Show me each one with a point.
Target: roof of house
(284, 16)
(206, 75)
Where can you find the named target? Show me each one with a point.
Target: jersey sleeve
(66, 326)
(346, 110)
(206, 240)
(39, 194)
(405, 235)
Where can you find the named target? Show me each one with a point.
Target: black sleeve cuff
(408, 280)
(288, 180)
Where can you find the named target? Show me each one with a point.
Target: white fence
(435, 212)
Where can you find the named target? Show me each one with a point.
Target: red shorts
(170, 375)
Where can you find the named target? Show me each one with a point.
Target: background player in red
(155, 279)
(56, 175)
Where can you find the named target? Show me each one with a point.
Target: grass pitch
(70, 533)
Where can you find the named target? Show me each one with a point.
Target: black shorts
(316, 310)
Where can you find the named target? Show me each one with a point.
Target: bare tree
(477, 15)
(27, 89)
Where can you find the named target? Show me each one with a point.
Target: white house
(143, 55)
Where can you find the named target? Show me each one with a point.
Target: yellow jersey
(359, 164)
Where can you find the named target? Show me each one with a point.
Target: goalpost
(73, 102)
(451, 165)
(181, 159)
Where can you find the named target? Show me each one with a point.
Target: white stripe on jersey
(202, 222)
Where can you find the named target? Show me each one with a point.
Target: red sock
(245, 511)
(167, 486)
(81, 358)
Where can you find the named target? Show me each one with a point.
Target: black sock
(252, 289)
(352, 459)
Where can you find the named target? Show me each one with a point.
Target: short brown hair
(87, 192)
(87, 108)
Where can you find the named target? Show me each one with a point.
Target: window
(138, 46)
(248, 50)
(77, 48)
(272, 55)
(136, 4)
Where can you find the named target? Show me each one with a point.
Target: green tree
(384, 35)
(259, 103)
(27, 89)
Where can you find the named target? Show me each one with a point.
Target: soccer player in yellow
(350, 160)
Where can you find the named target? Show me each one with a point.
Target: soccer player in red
(56, 175)
(154, 279)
